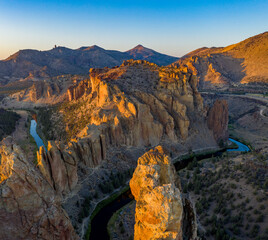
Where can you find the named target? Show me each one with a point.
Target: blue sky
(171, 27)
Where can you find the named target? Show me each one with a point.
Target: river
(241, 147)
(38, 140)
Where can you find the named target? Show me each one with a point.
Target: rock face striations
(136, 104)
(159, 204)
(50, 91)
(218, 120)
(231, 66)
(29, 206)
(59, 164)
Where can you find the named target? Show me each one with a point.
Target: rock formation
(76, 91)
(131, 107)
(229, 67)
(50, 90)
(218, 120)
(136, 104)
(29, 206)
(59, 163)
(160, 210)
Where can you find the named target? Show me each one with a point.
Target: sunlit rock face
(227, 67)
(162, 211)
(159, 207)
(136, 104)
(59, 164)
(29, 206)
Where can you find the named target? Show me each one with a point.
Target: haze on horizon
(171, 27)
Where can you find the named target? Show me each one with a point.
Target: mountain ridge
(61, 60)
(223, 67)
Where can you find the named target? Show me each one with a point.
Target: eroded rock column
(159, 207)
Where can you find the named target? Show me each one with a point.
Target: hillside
(241, 63)
(60, 60)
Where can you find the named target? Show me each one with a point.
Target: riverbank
(122, 222)
(100, 206)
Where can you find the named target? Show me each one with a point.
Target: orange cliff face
(29, 206)
(160, 208)
(136, 104)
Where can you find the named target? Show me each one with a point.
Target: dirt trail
(21, 135)
(20, 132)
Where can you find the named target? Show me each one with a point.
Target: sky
(172, 27)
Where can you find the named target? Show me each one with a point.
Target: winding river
(38, 140)
(241, 147)
(100, 221)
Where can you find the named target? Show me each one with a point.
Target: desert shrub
(254, 231)
(8, 121)
(260, 218)
(106, 187)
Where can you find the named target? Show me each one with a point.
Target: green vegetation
(196, 155)
(50, 125)
(226, 205)
(84, 212)
(101, 205)
(44, 118)
(115, 181)
(8, 121)
(114, 218)
(73, 117)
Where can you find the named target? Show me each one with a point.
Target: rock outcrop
(160, 207)
(59, 164)
(51, 90)
(29, 206)
(136, 104)
(76, 91)
(218, 120)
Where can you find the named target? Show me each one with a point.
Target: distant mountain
(244, 62)
(140, 52)
(61, 60)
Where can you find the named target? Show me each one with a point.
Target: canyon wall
(29, 206)
(59, 165)
(218, 120)
(136, 104)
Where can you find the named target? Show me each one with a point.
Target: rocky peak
(131, 101)
(218, 120)
(138, 48)
(160, 207)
